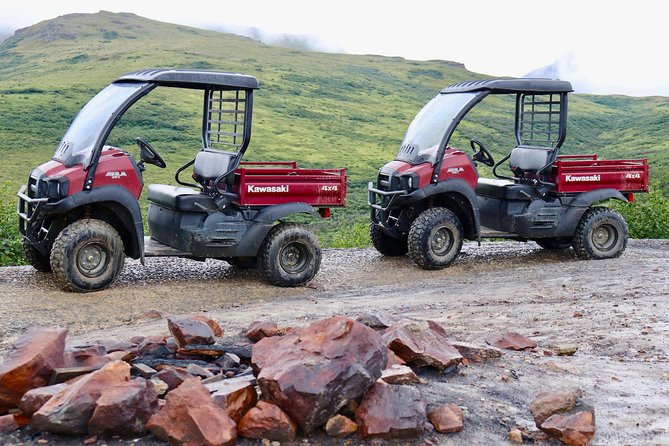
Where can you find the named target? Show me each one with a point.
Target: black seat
(179, 198)
(504, 190)
(531, 160)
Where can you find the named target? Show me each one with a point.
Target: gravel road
(615, 311)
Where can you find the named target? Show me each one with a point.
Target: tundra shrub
(11, 251)
(648, 215)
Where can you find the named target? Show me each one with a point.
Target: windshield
(77, 145)
(430, 125)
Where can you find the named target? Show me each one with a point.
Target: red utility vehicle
(431, 197)
(80, 217)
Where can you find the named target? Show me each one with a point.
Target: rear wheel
(87, 255)
(601, 234)
(35, 258)
(290, 255)
(385, 244)
(555, 244)
(435, 238)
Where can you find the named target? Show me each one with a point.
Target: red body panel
(114, 168)
(456, 164)
(583, 173)
(265, 184)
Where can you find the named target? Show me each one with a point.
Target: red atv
(80, 217)
(431, 197)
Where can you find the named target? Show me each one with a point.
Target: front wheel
(87, 255)
(290, 255)
(601, 234)
(38, 260)
(385, 244)
(435, 238)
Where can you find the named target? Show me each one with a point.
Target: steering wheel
(148, 154)
(482, 154)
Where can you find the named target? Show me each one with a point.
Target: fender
(469, 206)
(586, 199)
(272, 213)
(579, 204)
(126, 202)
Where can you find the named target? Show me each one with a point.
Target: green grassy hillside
(329, 110)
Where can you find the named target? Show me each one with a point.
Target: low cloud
(294, 41)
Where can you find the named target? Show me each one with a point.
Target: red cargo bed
(264, 184)
(583, 173)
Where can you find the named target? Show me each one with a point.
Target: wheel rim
(92, 259)
(604, 237)
(442, 241)
(293, 257)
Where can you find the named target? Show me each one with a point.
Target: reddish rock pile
(195, 387)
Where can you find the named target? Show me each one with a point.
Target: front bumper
(383, 200)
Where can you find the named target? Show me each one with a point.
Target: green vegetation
(11, 252)
(648, 215)
(325, 110)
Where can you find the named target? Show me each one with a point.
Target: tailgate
(265, 184)
(583, 173)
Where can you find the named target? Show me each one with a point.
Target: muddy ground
(615, 311)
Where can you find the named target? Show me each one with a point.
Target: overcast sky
(602, 47)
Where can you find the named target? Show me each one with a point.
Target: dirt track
(615, 311)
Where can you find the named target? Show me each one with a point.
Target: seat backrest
(210, 164)
(529, 159)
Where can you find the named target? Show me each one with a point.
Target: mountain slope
(331, 110)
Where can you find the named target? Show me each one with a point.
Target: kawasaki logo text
(573, 178)
(273, 189)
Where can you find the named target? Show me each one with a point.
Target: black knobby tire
(290, 255)
(386, 244)
(35, 258)
(87, 255)
(435, 238)
(601, 234)
(555, 244)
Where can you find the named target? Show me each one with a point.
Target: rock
(114, 345)
(143, 370)
(391, 411)
(190, 418)
(261, 329)
(340, 426)
(235, 395)
(393, 359)
(566, 350)
(511, 341)
(422, 344)
(447, 418)
(198, 370)
(152, 314)
(546, 404)
(8, 424)
(475, 353)
(377, 321)
(314, 371)
(190, 331)
(124, 409)
(216, 329)
(69, 411)
(267, 421)
(33, 399)
(515, 436)
(399, 374)
(30, 364)
(228, 361)
(153, 347)
(576, 429)
(160, 387)
(85, 356)
(173, 376)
